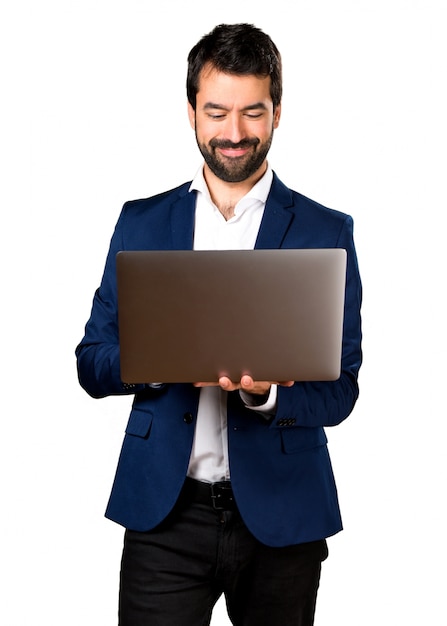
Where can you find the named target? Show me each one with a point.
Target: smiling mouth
(233, 152)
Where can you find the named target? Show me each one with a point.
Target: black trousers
(174, 574)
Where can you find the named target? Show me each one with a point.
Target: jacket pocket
(300, 439)
(139, 423)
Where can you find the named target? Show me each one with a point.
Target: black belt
(218, 495)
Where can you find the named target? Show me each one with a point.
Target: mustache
(226, 143)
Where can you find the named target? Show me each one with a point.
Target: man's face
(234, 122)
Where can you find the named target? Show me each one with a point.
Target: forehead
(232, 89)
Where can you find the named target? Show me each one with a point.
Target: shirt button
(188, 418)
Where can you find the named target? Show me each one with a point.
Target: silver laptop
(193, 316)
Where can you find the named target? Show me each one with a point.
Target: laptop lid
(193, 316)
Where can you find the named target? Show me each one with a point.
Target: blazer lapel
(275, 222)
(277, 216)
(182, 221)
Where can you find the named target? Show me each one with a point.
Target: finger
(256, 387)
(206, 384)
(247, 382)
(227, 384)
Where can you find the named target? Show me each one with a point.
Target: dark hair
(240, 49)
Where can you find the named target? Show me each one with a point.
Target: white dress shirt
(209, 457)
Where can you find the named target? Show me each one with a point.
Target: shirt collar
(259, 191)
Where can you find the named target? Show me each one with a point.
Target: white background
(93, 114)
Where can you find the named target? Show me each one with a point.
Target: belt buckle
(222, 496)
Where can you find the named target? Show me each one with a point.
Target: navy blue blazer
(280, 469)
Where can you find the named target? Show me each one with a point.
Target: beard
(235, 169)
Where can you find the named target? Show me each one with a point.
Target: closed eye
(216, 111)
(216, 116)
(253, 116)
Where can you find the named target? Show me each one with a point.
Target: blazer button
(188, 418)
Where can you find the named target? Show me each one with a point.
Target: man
(225, 486)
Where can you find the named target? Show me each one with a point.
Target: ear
(277, 116)
(191, 116)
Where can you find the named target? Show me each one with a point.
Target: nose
(234, 128)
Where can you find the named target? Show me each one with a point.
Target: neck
(226, 195)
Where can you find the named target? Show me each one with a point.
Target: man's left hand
(247, 384)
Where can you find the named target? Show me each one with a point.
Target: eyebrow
(249, 107)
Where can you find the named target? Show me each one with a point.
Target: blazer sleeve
(312, 404)
(98, 359)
